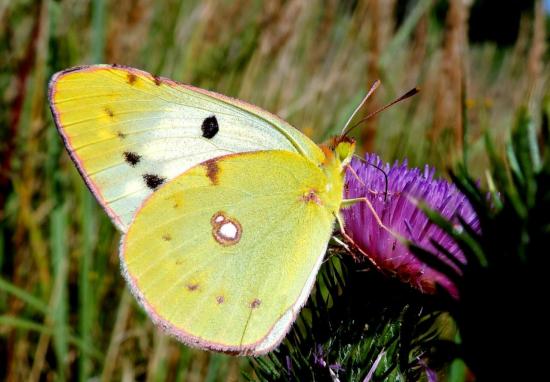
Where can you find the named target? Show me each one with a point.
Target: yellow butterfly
(226, 210)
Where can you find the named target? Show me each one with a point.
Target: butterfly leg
(352, 201)
(348, 238)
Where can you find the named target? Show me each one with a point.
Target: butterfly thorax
(337, 155)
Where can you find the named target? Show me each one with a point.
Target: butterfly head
(344, 150)
(341, 151)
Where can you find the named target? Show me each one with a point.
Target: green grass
(65, 313)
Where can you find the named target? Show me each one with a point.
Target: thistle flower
(398, 211)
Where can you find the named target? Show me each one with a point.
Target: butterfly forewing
(130, 132)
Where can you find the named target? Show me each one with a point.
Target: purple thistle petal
(336, 367)
(288, 365)
(319, 357)
(397, 211)
(431, 375)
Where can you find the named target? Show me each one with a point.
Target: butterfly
(225, 210)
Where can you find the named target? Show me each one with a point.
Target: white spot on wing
(225, 230)
(228, 230)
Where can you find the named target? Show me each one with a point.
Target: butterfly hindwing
(224, 255)
(129, 132)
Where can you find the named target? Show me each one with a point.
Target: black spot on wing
(153, 181)
(210, 127)
(132, 158)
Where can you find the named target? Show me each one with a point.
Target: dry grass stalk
(448, 107)
(535, 75)
(381, 19)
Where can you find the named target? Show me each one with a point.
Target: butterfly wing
(224, 256)
(128, 131)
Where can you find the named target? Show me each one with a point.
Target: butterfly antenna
(376, 167)
(373, 88)
(408, 94)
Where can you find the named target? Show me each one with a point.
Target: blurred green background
(65, 313)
